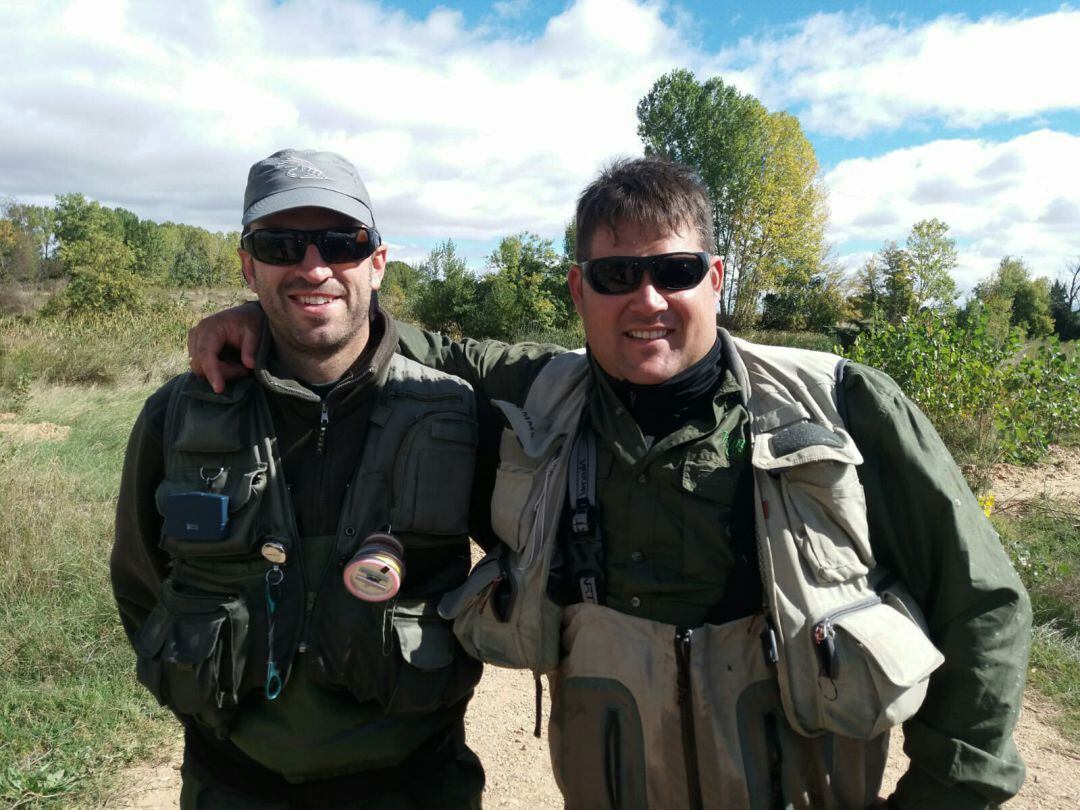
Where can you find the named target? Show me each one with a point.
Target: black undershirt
(664, 407)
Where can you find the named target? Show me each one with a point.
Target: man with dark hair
(737, 563)
(282, 544)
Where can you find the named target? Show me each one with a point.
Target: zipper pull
(324, 420)
(825, 639)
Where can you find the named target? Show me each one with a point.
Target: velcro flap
(805, 443)
(198, 388)
(900, 649)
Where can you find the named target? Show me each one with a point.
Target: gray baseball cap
(295, 178)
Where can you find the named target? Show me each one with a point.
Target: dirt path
(499, 727)
(500, 719)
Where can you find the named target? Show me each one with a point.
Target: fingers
(249, 343)
(213, 341)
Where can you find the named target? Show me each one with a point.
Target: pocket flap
(461, 431)
(901, 650)
(426, 641)
(804, 443)
(483, 574)
(238, 484)
(150, 638)
(191, 641)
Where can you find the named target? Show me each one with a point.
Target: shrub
(93, 292)
(988, 397)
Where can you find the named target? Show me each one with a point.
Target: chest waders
(231, 618)
(786, 708)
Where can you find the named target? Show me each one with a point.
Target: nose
(313, 267)
(648, 297)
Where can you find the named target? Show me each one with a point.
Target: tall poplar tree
(769, 208)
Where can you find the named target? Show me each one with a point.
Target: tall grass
(1044, 544)
(71, 710)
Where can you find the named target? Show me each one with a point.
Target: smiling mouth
(649, 334)
(314, 300)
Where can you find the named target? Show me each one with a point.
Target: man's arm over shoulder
(928, 528)
(495, 369)
(137, 566)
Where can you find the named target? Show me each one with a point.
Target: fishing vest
(790, 707)
(231, 617)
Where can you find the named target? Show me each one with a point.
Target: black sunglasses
(287, 245)
(615, 275)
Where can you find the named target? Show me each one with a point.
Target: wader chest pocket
(192, 649)
(190, 507)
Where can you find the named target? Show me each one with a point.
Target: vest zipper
(683, 638)
(824, 634)
(324, 420)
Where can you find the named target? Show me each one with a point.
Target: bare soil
(31, 431)
(500, 720)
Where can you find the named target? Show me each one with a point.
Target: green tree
(868, 291)
(1064, 303)
(448, 296)
(80, 220)
(898, 283)
(769, 208)
(204, 259)
(402, 287)
(98, 263)
(35, 254)
(154, 254)
(18, 258)
(932, 255)
(525, 288)
(1011, 289)
(799, 302)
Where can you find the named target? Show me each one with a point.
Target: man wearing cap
(281, 546)
(737, 563)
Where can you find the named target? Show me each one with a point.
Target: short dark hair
(650, 192)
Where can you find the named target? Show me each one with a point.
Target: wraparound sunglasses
(284, 246)
(615, 275)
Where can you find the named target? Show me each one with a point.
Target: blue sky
(475, 120)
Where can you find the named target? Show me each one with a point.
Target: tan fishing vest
(788, 708)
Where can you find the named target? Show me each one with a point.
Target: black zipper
(824, 634)
(324, 421)
(683, 638)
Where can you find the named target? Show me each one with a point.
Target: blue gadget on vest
(197, 516)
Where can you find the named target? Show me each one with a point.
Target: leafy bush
(94, 292)
(988, 396)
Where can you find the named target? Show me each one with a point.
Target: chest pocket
(821, 493)
(433, 475)
(186, 533)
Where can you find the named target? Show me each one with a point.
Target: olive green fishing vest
(787, 708)
(225, 611)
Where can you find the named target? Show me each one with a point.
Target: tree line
(769, 219)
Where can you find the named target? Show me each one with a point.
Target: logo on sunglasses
(300, 169)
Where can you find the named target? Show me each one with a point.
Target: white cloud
(456, 131)
(850, 74)
(1020, 197)
(472, 133)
